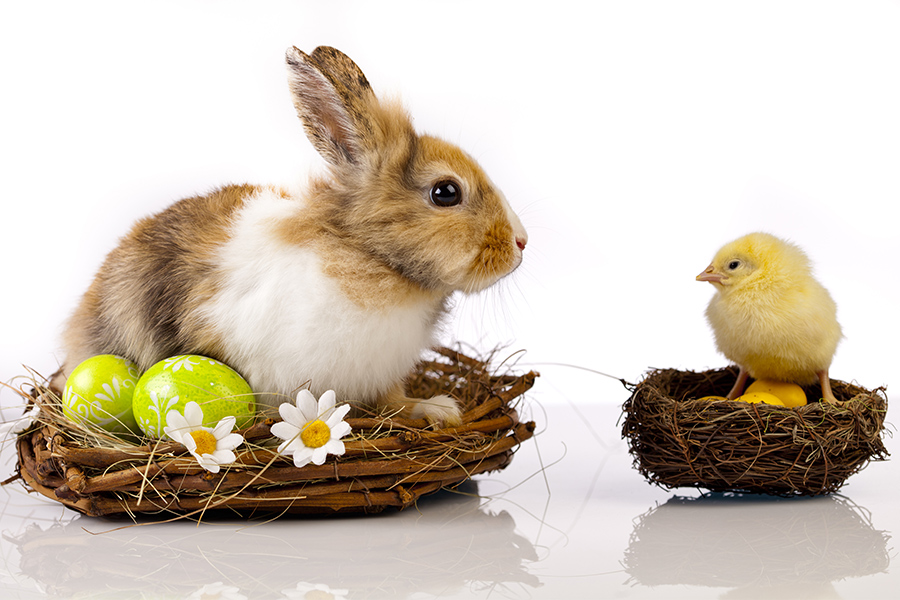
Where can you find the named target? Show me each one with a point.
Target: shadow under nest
(388, 463)
(677, 440)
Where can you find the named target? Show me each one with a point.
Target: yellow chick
(769, 315)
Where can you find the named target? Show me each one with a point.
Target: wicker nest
(677, 440)
(389, 462)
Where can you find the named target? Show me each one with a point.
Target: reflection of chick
(769, 315)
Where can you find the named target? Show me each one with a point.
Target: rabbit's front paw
(442, 411)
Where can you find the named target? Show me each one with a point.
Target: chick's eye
(446, 193)
(734, 265)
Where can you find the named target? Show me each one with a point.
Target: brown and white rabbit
(340, 286)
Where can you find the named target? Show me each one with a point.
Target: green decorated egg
(100, 390)
(171, 383)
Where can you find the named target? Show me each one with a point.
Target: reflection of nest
(457, 543)
(388, 462)
(735, 542)
(679, 441)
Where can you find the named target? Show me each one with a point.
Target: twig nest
(387, 462)
(678, 439)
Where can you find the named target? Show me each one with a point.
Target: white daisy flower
(210, 446)
(217, 590)
(319, 591)
(311, 430)
(17, 426)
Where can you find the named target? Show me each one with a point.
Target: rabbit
(339, 285)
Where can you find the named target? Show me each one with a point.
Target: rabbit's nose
(521, 240)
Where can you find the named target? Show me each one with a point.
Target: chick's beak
(710, 275)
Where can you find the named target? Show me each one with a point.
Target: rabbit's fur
(338, 286)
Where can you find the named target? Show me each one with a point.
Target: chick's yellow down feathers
(769, 314)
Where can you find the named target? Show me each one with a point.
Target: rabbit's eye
(734, 265)
(446, 193)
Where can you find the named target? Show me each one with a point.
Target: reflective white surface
(569, 518)
(633, 138)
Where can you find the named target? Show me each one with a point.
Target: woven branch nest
(677, 440)
(389, 462)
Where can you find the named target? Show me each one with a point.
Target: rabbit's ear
(332, 98)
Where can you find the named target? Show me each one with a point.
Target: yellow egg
(757, 397)
(790, 394)
(713, 398)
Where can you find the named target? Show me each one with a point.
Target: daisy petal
(285, 447)
(338, 415)
(188, 442)
(302, 457)
(307, 404)
(340, 430)
(319, 454)
(175, 425)
(285, 430)
(193, 414)
(326, 403)
(293, 447)
(222, 457)
(224, 427)
(291, 414)
(335, 447)
(176, 433)
(207, 462)
(230, 441)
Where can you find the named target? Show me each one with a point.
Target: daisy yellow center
(316, 434)
(206, 442)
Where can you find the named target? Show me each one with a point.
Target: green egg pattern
(171, 383)
(100, 390)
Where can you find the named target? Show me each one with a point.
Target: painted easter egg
(100, 390)
(171, 383)
(790, 394)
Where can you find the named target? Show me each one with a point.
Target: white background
(633, 138)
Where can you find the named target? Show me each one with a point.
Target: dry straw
(677, 440)
(389, 462)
